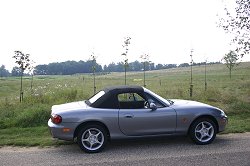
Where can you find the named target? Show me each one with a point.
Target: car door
(136, 121)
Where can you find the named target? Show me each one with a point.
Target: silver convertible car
(120, 112)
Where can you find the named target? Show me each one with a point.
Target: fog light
(224, 120)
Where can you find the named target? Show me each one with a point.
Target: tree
(145, 59)
(184, 65)
(105, 68)
(16, 71)
(231, 60)
(41, 70)
(125, 54)
(23, 62)
(4, 72)
(31, 71)
(67, 68)
(159, 66)
(238, 24)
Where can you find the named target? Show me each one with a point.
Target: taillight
(56, 118)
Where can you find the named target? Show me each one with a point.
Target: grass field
(25, 124)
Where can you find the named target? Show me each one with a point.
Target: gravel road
(230, 149)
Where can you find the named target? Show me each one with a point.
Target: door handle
(128, 116)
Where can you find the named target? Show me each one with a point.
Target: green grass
(25, 124)
(33, 136)
(238, 123)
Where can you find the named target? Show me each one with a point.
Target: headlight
(222, 113)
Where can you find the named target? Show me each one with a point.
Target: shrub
(34, 116)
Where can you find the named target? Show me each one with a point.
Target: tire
(203, 131)
(92, 138)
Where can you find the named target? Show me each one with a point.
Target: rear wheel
(203, 131)
(92, 138)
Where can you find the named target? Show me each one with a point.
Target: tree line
(73, 67)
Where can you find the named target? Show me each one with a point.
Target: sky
(61, 30)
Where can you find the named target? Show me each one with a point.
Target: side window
(130, 101)
(151, 99)
(126, 97)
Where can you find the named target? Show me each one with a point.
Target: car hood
(189, 103)
(79, 105)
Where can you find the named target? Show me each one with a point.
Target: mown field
(25, 124)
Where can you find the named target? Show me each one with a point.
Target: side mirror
(152, 106)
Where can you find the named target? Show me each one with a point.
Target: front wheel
(203, 131)
(92, 138)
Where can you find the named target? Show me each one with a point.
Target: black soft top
(123, 89)
(110, 100)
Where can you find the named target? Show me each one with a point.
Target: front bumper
(222, 123)
(63, 131)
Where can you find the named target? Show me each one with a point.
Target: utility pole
(206, 75)
(191, 77)
(144, 84)
(93, 57)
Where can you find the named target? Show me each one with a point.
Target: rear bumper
(63, 131)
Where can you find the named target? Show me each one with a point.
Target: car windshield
(96, 97)
(167, 101)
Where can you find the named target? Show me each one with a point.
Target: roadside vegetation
(25, 124)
